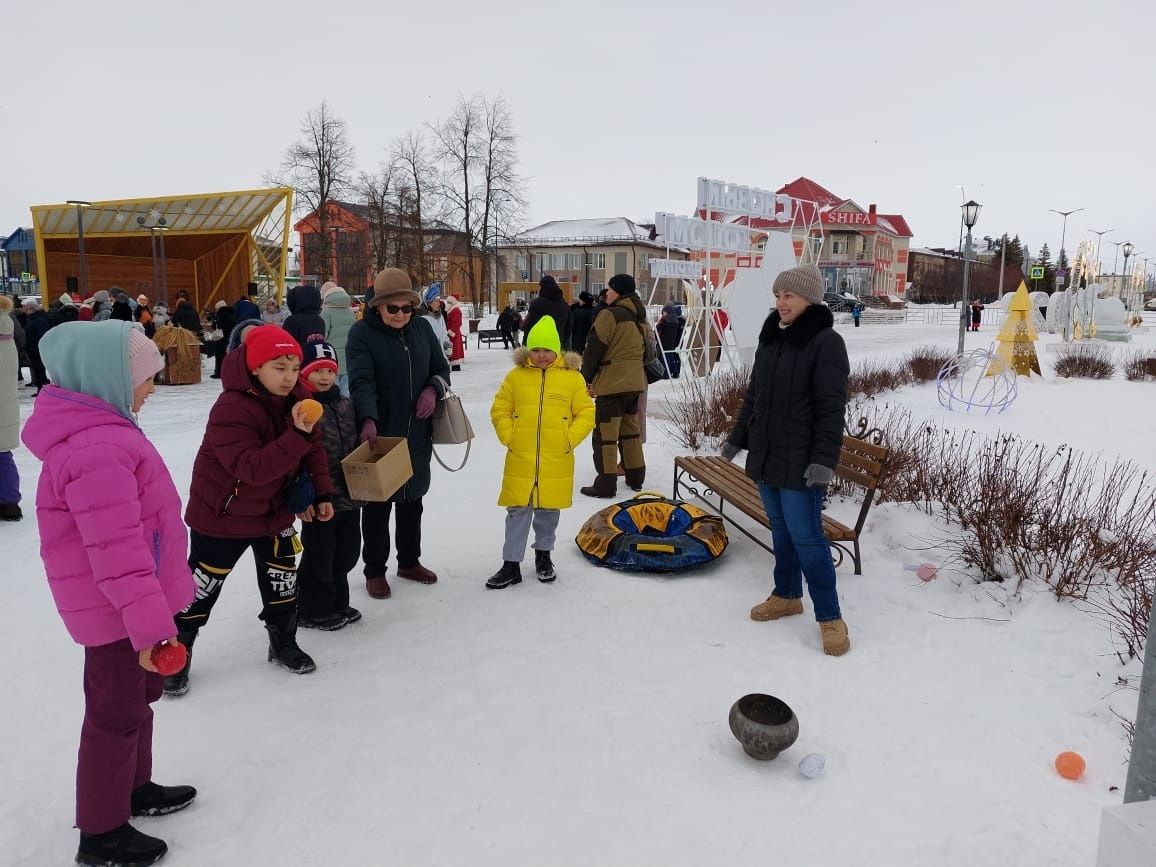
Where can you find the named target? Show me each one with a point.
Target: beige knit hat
(393, 284)
(804, 281)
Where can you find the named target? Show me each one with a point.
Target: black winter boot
(123, 847)
(329, 623)
(177, 684)
(544, 566)
(154, 800)
(510, 573)
(283, 648)
(10, 512)
(605, 486)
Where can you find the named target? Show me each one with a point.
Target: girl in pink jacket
(114, 551)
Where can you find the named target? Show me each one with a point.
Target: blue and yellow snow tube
(650, 533)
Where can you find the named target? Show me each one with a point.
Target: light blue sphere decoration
(977, 381)
(812, 765)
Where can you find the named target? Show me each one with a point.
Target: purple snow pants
(9, 479)
(116, 740)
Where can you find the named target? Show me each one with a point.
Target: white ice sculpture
(1111, 318)
(1057, 311)
(977, 381)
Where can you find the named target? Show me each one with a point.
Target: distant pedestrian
(976, 314)
(856, 313)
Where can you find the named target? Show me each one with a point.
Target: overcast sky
(619, 105)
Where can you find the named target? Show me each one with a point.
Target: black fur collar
(810, 322)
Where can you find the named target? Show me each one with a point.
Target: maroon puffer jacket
(248, 456)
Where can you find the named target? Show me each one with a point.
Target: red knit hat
(268, 342)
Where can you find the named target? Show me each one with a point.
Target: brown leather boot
(836, 642)
(605, 486)
(418, 573)
(377, 587)
(776, 607)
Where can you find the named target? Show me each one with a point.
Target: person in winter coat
(272, 314)
(223, 321)
(433, 310)
(185, 316)
(239, 331)
(304, 321)
(791, 425)
(63, 309)
(9, 413)
(84, 314)
(669, 329)
(541, 413)
(144, 315)
(244, 308)
(581, 321)
(121, 308)
(36, 325)
(613, 367)
(101, 306)
(508, 321)
(113, 546)
(397, 375)
(337, 314)
(331, 548)
(257, 442)
(976, 314)
(550, 302)
(160, 314)
(455, 324)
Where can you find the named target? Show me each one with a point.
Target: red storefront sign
(841, 218)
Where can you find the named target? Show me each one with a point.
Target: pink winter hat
(144, 359)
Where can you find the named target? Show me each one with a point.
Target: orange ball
(311, 410)
(1070, 765)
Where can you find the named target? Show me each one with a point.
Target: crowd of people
(267, 461)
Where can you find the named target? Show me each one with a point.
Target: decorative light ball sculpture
(977, 381)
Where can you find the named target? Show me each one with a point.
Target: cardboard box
(376, 469)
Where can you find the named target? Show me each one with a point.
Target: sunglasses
(399, 308)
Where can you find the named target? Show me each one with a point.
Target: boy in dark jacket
(550, 302)
(332, 548)
(304, 321)
(256, 443)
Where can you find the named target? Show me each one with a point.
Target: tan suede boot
(776, 607)
(836, 642)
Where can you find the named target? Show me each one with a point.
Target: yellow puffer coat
(541, 416)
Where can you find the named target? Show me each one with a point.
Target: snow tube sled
(650, 533)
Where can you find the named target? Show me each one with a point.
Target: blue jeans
(801, 549)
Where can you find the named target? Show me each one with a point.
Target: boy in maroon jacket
(257, 442)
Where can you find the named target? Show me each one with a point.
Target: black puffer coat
(304, 321)
(339, 433)
(550, 302)
(388, 369)
(793, 414)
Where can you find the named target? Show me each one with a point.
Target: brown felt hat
(393, 284)
(804, 281)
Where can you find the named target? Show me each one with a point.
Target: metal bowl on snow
(764, 725)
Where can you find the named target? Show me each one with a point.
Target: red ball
(169, 658)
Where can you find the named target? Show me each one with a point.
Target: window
(838, 247)
(520, 262)
(573, 261)
(643, 263)
(557, 261)
(619, 263)
(598, 260)
(596, 289)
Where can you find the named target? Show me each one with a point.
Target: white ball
(811, 765)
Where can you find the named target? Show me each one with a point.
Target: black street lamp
(80, 205)
(970, 210)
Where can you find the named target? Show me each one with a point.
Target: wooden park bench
(719, 482)
(488, 336)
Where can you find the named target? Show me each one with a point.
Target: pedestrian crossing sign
(1037, 272)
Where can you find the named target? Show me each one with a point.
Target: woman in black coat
(791, 425)
(397, 374)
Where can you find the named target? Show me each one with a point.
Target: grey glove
(817, 476)
(729, 450)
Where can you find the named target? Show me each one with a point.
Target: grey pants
(518, 521)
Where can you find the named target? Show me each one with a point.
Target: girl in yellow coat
(540, 413)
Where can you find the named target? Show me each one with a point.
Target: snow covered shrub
(1086, 363)
(925, 362)
(703, 411)
(1138, 365)
(874, 376)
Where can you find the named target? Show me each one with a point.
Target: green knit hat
(544, 335)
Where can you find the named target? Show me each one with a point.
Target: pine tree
(1014, 254)
(1048, 284)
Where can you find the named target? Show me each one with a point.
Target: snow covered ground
(585, 723)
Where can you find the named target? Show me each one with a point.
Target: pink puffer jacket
(114, 546)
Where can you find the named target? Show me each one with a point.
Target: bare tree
(319, 167)
(503, 199)
(378, 191)
(417, 186)
(459, 143)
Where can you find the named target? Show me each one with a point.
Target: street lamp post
(80, 206)
(970, 216)
(1099, 237)
(161, 228)
(1128, 248)
(1063, 258)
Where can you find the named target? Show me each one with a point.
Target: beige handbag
(451, 426)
